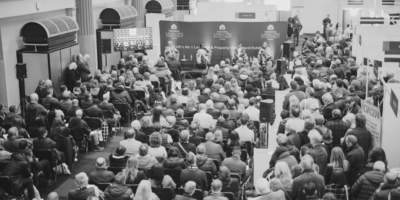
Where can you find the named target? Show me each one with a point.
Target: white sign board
(261, 162)
(373, 123)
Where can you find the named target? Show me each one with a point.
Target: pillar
(86, 33)
(128, 2)
(378, 8)
(140, 7)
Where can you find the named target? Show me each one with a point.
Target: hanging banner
(373, 123)
(222, 38)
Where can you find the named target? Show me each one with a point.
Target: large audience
(197, 142)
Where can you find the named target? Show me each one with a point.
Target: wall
(11, 41)
(227, 12)
(390, 127)
(315, 11)
(12, 8)
(98, 6)
(372, 38)
(153, 20)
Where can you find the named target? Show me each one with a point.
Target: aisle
(86, 163)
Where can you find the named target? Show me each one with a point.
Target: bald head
(79, 113)
(101, 162)
(34, 97)
(52, 196)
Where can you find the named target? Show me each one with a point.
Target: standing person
(83, 69)
(337, 161)
(338, 186)
(355, 156)
(325, 22)
(264, 54)
(369, 182)
(296, 31)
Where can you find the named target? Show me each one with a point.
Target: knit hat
(191, 158)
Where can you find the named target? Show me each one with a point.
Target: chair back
(47, 154)
(243, 155)
(140, 94)
(5, 184)
(217, 164)
(198, 194)
(102, 186)
(209, 180)
(108, 114)
(164, 193)
(3, 165)
(229, 195)
(234, 175)
(115, 170)
(175, 174)
(155, 84)
(78, 134)
(133, 187)
(94, 123)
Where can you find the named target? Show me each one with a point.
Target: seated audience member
(104, 105)
(211, 110)
(190, 188)
(12, 143)
(252, 111)
(389, 187)
(216, 187)
(219, 126)
(355, 156)
(133, 175)
(245, 134)
(338, 185)
(194, 138)
(283, 179)
(18, 169)
(52, 196)
(158, 179)
(174, 160)
(119, 158)
(174, 104)
(234, 114)
(146, 125)
(33, 109)
(228, 184)
(235, 164)
(46, 101)
(71, 112)
(192, 173)
(183, 145)
(203, 161)
(78, 123)
(214, 151)
(83, 189)
(87, 102)
(65, 102)
(180, 120)
(101, 175)
(120, 96)
(144, 158)
(42, 142)
(308, 176)
(11, 116)
(369, 182)
(318, 152)
(264, 191)
(156, 149)
(293, 137)
(203, 119)
(139, 136)
(295, 119)
(118, 190)
(144, 192)
(131, 144)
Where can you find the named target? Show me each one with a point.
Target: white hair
(315, 137)
(262, 186)
(210, 103)
(81, 180)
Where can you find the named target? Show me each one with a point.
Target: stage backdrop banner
(373, 123)
(133, 39)
(222, 37)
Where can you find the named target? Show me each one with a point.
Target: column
(140, 7)
(378, 8)
(86, 33)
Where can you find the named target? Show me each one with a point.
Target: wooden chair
(115, 170)
(48, 155)
(175, 174)
(164, 193)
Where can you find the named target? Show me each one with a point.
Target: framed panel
(65, 61)
(55, 69)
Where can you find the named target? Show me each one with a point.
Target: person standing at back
(326, 22)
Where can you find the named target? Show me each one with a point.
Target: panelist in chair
(203, 55)
(240, 52)
(264, 54)
(171, 52)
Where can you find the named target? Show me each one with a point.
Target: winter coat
(17, 170)
(320, 156)
(206, 164)
(355, 156)
(366, 185)
(364, 140)
(120, 96)
(307, 176)
(289, 159)
(174, 163)
(118, 192)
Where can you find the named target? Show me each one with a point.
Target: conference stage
(222, 38)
